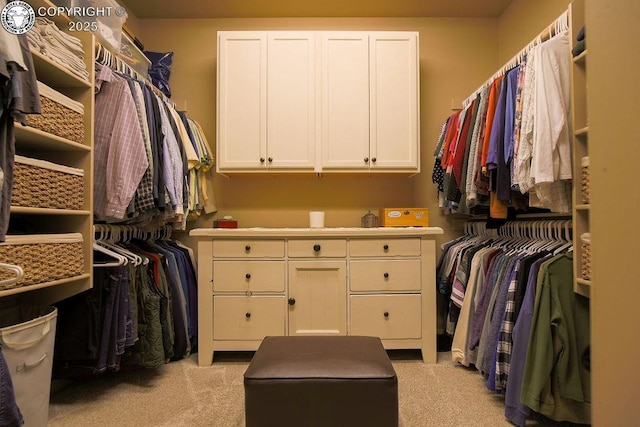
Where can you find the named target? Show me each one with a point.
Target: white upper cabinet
(242, 99)
(291, 100)
(323, 101)
(345, 100)
(394, 89)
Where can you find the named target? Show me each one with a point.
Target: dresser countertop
(317, 232)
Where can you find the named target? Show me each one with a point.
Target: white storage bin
(109, 26)
(27, 334)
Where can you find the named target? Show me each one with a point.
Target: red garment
(450, 137)
(461, 146)
(491, 109)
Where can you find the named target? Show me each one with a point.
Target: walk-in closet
(180, 181)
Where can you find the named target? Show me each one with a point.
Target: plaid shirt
(120, 156)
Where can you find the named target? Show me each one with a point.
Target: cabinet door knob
(385, 247)
(386, 314)
(247, 248)
(366, 160)
(247, 315)
(248, 275)
(270, 159)
(292, 301)
(386, 275)
(261, 159)
(316, 247)
(373, 159)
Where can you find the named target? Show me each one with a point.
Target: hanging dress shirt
(120, 154)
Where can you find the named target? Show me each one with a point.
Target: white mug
(316, 219)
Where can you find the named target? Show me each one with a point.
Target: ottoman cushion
(321, 381)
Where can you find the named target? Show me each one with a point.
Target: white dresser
(257, 282)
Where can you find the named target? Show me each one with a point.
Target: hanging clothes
(511, 139)
(141, 313)
(169, 169)
(531, 353)
(19, 96)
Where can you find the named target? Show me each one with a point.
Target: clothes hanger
(109, 242)
(119, 259)
(19, 272)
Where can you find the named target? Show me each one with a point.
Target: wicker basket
(41, 184)
(42, 257)
(586, 255)
(60, 115)
(584, 162)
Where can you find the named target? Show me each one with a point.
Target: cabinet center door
(317, 298)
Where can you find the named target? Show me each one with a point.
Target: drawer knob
(292, 301)
(373, 159)
(247, 248)
(316, 247)
(386, 275)
(248, 275)
(385, 247)
(270, 159)
(247, 315)
(386, 314)
(366, 160)
(261, 159)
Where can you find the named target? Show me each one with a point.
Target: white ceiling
(157, 9)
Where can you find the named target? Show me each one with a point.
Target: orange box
(404, 217)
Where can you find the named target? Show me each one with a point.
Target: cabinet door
(394, 98)
(242, 98)
(291, 100)
(317, 298)
(345, 100)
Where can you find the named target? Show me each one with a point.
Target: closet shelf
(583, 207)
(47, 211)
(582, 131)
(54, 74)
(68, 280)
(583, 281)
(35, 138)
(581, 59)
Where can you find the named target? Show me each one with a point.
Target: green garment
(556, 383)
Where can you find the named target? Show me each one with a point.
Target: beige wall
(614, 149)
(455, 56)
(523, 21)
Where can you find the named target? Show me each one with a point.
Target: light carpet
(184, 394)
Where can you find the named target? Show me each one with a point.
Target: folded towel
(581, 33)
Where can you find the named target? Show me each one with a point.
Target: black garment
(155, 122)
(10, 415)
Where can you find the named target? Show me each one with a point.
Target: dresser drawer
(384, 247)
(248, 248)
(386, 316)
(254, 276)
(248, 318)
(317, 248)
(385, 275)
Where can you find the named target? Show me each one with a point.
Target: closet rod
(106, 57)
(558, 26)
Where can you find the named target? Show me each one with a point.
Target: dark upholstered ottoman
(321, 381)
